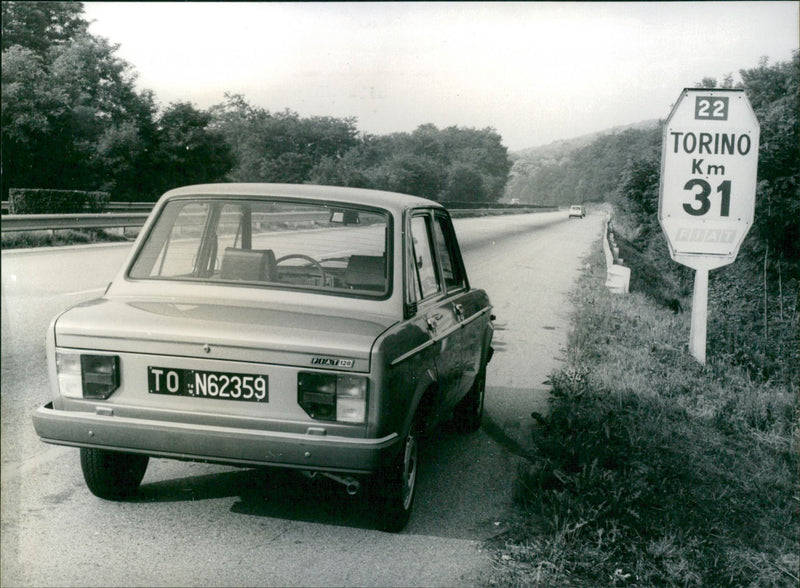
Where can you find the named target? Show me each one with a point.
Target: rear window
(269, 243)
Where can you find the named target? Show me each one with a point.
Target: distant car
(314, 328)
(514, 201)
(576, 210)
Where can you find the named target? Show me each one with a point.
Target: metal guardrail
(112, 220)
(43, 222)
(110, 207)
(134, 214)
(129, 206)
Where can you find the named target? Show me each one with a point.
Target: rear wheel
(469, 412)
(397, 484)
(110, 474)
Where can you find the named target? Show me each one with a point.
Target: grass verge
(653, 470)
(57, 238)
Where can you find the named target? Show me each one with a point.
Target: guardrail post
(618, 277)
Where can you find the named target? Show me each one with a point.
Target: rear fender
(426, 402)
(405, 365)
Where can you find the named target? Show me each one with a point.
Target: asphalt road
(197, 524)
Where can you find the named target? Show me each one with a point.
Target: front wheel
(110, 474)
(469, 412)
(397, 484)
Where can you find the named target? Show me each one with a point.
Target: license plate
(202, 384)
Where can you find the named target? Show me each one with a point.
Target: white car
(314, 328)
(576, 210)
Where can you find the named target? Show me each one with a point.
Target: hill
(584, 169)
(566, 145)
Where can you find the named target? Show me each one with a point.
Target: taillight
(82, 375)
(333, 397)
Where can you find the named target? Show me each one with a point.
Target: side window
(424, 272)
(172, 249)
(451, 270)
(229, 228)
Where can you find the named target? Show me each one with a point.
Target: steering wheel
(311, 260)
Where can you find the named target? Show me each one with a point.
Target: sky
(536, 72)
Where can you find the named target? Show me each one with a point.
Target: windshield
(269, 243)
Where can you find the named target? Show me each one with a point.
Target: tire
(396, 485)
(112, 475)
(469, 412)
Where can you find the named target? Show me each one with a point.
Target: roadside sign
(708, 176)
(707, 196)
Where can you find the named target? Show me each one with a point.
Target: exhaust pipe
(352, 486)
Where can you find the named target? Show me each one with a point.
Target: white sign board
(708, 176)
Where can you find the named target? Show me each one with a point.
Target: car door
(433, 306)
(470, 307)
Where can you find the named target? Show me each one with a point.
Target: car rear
(240, 330)
(253, 325)
(577, 211)
(246, 387)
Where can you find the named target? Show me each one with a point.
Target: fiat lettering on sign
(708, 176)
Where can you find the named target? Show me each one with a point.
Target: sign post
(709, 160)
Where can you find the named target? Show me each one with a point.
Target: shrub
(30, 239)
(45, 201)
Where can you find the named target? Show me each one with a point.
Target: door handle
(458, 309)
(431, 325)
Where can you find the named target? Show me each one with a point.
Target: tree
(98, 93)
(29, 105)
(39, 26)
(639, 187)
(410, 174)
(773, 91)
(71, 116)
(483, 150)
(450, 164)
(190, 151)
(464, 184)
(280, 147)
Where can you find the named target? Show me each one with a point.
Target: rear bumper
(214, 444)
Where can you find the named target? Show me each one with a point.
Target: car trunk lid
(276, 334)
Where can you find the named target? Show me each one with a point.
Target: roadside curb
(512, 439)
(512, 425)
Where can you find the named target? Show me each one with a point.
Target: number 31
(702, 197)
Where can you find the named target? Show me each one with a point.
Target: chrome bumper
(213, 444)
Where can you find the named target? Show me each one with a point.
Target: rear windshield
(269, 243)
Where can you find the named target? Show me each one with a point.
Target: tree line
(755, 300)
(72, 118)
(624, 167)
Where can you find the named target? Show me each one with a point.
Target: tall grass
(654, 470)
